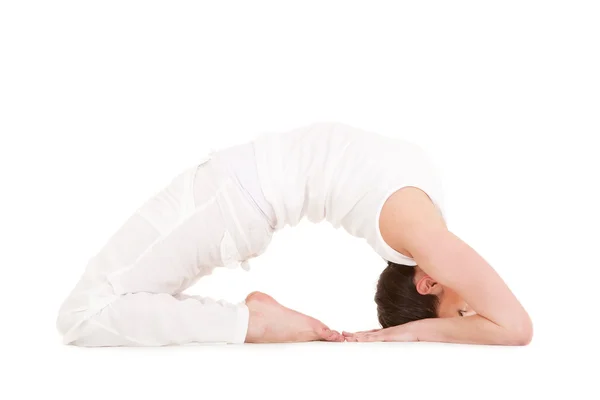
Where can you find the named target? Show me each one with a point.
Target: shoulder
(408, 217)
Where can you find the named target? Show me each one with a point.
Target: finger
(370, 337)
(359, 332)
(365, 338)
(370, 331)
(357, 337)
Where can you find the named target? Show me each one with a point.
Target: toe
(330, 335)
(337, 337)
(260, 297)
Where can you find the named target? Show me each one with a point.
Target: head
(406, 293)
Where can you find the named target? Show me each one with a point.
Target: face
(450, 303)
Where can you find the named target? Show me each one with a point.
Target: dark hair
(398, 301)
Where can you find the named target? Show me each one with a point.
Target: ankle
(256, 327)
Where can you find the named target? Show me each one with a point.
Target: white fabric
(131, 291)
(211, 215)
(241, 163)
(342, 174)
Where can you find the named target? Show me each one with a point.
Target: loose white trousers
(131, 291)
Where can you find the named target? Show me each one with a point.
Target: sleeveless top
(240, 161)
(334, 172)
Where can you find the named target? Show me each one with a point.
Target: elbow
(526, 336)
(522, 333)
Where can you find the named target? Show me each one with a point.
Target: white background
(102, 103)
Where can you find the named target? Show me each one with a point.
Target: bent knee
(76, 317)
(68, 322)
(82, 329)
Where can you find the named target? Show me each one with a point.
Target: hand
(400, 333)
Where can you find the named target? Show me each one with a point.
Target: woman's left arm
(500, 319)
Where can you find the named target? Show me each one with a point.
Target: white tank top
(241, 164)
(342, 174)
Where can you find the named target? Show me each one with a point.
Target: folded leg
(149, 319)
(130, 293)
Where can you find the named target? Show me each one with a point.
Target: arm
(500, 318)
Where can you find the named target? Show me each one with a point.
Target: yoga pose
(223, 212)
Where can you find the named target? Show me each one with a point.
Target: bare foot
(270, 322)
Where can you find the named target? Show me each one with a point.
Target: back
(342, 174)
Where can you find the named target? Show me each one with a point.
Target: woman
(224, 212)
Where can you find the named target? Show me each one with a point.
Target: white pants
(131, 291)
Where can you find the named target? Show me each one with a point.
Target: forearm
(474, 329)
(500, 318)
